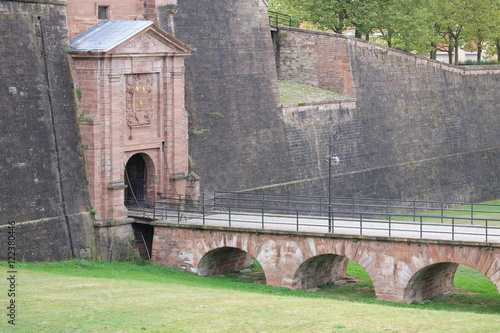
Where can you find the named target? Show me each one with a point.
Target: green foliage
(417, 26)
(475, 62)
(198, 131)
(78, 94)
(487, 211)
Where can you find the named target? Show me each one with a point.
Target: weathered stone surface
(116, 242)
(83, 15)
(43, 186)
(402, 270)
(237, 133)
(136, 146)
(420, 129)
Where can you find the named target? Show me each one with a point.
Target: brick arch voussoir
(494, 271)
(310, 247)
(327, 257)
(367, 258)
(447, 258)
(218, 240)
(478, 258)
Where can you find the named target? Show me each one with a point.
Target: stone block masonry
(83, 15)
(237, 133)
(402, 270)
(316, 59)
(420, 129)
(42, 177)
(137, 137)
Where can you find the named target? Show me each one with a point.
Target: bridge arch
(435, 279)
(320, 270)
(430, 281)
(322, 262)
(401, 271)
(224, 259)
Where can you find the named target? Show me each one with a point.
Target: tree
(483, 26)
(418, 26)
(334, 15)
(407, 25)
(402, 23)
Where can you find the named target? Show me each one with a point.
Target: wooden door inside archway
(136, 180)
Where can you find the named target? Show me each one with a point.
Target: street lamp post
(333, 160)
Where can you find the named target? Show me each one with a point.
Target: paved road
(400, 229)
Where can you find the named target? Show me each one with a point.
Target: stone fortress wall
(43, 186)
(237, 133)
(415, 129)
(420, 129)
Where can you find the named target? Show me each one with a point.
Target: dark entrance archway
(136, 180)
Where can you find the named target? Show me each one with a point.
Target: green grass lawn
(297, 93)
(486, 211)
(85, 296)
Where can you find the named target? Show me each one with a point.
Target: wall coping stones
(480, 67)
(464, 70)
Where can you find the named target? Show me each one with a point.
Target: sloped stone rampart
(42, 185)
(419, 129)
(237, 134)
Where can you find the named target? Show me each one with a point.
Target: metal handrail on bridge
(277, 19)
(392, 218)
(415, 208)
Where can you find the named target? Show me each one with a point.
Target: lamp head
(334, 160)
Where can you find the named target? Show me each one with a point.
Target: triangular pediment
(127, 37)
(152, 41)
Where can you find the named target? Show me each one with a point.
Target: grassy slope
(78, 296)
(298, 93)
(486, 211)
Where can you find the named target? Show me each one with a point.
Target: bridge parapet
(357, 216)
(401, 269)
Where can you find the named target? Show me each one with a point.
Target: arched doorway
(136, 181)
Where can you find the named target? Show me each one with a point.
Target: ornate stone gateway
(130, 86)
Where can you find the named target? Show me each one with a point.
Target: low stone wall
(315, 58)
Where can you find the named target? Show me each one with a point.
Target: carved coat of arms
(140, 99)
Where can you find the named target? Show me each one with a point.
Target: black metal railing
(347, 207)
(277, 19)
(377, 217)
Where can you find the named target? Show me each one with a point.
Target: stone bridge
(401, 269)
